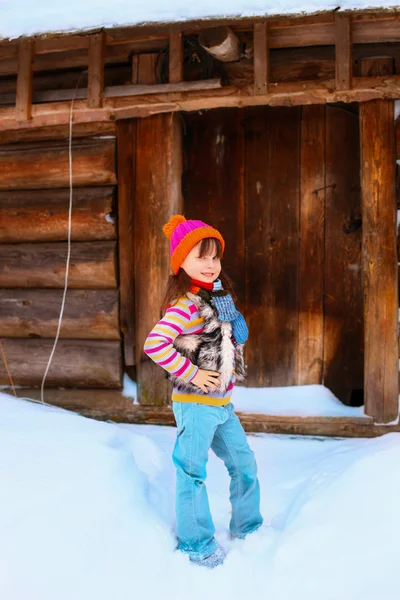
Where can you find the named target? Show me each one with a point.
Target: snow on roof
(27, 18)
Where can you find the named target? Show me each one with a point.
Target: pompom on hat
(184, 235)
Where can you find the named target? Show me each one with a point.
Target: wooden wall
(282, 184)
(34, 204)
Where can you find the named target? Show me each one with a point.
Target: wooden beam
(281, 94)
(96, 70)
(23, 105)
(26, 166)
(157, 196)
(104, 405)
(42, 265)
(312, 246)
(126, 153)
(368, 66)
(380, 262)
(121, 91)
(42, 215)
(175, 57)
(344, 62)
(118, 91)
(285, 32)
(34, 313)
(76, 363)
(261, 58)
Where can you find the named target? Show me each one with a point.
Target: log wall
(34, 206)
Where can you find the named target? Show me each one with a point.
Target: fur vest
(211, 350)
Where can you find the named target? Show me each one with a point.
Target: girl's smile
(203, 268)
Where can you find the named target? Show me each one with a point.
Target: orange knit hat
(184, 235)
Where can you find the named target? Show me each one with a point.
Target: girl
(199, 342)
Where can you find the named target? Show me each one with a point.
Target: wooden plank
(59, 132)
(368, 66)
(92, 265)
(23, 105)
(175, 57)
(382, 30)
(380, 262)
(90, 314)
(103, 404)
(46, 164)
(42, 215)
(312, 246)
(261, 58)
(293, 93)
(344, 58)
(157, 196)
(96, 70)
(77, 363)
(146, 69)
(117, 91)
(272, 237)
(343, 298)
(312, 29)
(295, 31)
(213, 183)
(300, 35)
(152, 385)
(126, 139)
(287, 93)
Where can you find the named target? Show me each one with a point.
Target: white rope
(69, 245)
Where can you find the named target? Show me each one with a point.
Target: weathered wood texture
(213, 182)
(343, 296)
(289, 64)
(23, 103)
(261, 58)
(272, 244)
(175, 70)
(157, 193)
(265, 183)
(380, 261)
(112, 405)
(34, 206)
(289, 93)
(96, 70)
(343, 54)
(45, 165)
(286, 31)
(92, 266)
(59, 132)
(312, 246)
(157, 197)
(126, 150)
(34, 313)
(42, 215)
(76, 363)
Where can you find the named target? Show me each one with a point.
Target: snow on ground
(24, 17)
(87, 512)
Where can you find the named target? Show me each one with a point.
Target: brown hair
(178, 285)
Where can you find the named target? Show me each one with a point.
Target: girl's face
(203, 268)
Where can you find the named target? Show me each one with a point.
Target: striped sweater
(182, 318)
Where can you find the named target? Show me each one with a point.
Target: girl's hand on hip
(206, 378)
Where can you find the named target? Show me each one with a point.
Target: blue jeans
(200, 427)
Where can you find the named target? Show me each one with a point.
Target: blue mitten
(240, 330)
(225, 307)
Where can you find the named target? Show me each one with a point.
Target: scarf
(214, 294)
